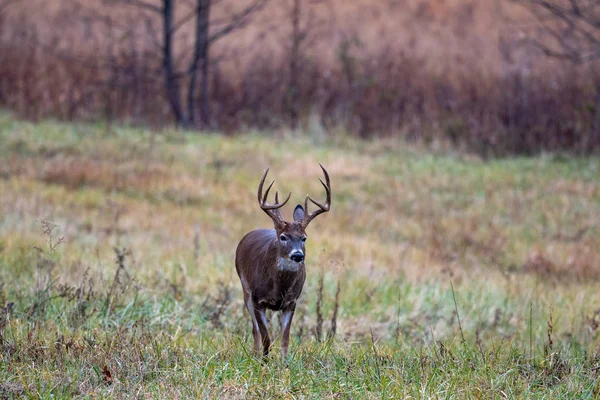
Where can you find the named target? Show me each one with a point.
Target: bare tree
(4, 5)
(570, 30)
(306, 27)
(207, 32)
(297, 37)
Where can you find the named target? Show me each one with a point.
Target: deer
(270, 264)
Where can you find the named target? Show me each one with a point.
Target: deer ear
(298, 213)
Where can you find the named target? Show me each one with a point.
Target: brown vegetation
(455, 71)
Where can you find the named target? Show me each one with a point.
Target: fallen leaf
(108, 379)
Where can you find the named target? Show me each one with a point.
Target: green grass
(419, 240)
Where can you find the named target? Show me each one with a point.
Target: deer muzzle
(297, 256)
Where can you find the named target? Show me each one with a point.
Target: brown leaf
(108, 379)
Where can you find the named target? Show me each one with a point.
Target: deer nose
(297, 256)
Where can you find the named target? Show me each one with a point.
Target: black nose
(297, 257)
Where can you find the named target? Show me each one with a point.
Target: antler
(272, 210)
(322, 207)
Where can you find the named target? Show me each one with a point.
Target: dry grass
(404, 225)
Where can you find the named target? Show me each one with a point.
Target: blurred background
(495, 77)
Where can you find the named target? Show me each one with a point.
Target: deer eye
(304, 239)
(283, 238)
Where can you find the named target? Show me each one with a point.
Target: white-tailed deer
(270, 264)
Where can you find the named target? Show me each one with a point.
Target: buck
(270, 264)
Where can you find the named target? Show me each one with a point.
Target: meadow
(435, 274)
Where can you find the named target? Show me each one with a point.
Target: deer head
(292, 235)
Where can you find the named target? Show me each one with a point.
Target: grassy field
(458, 278)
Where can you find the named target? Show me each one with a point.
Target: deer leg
(255, 330)
(286, 322)
(261, 319)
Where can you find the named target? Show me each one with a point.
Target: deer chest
(276, 294)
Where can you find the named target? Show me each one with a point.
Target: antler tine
(278, 211)
(328, 186)
(306, 204)
(260, 185)
(286, 199)
(266, 206)
(270, 209)
(264, 200)
(322, 207)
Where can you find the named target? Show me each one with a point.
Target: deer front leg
(286, 322)
(261, 319)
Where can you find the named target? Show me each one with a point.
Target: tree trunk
(594, 136)
(171, 82)
(204, 105)
(200, 56)
(297, 37)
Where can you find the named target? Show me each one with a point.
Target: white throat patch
(287, 265)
